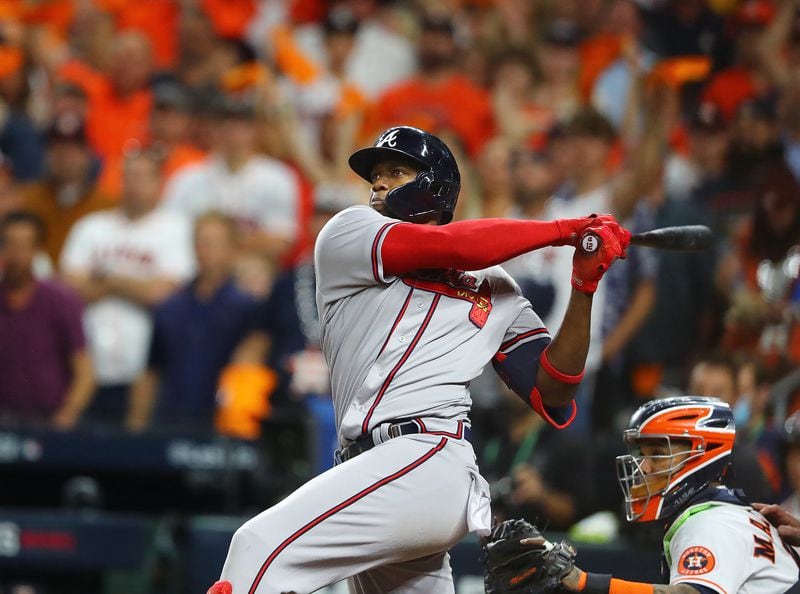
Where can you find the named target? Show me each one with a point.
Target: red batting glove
(569, 230)
(588, 267)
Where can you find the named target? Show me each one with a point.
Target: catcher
(715, 541)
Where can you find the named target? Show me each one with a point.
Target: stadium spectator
(90, 29)
(755, 418)
(20, 142)
(439, 98)
(533, 181)
(755, 142)
(779, 46)
(716, 376)
(745, 78)
(535, 471)
(686, 28)
(313, 108)
(495, 179)
(120, 101)
(559, 60)
(68, 190)
(68, 100)
(170, 124)
(372, 57)
(123, 262)
(685, 285)
(197, 332)
(46, 370)
(290, 318)
(763, 273)
(260, 193)
(791, 458)
(520, 117)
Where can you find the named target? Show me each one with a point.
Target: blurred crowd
(165, 166)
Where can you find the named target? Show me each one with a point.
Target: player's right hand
(599, 247)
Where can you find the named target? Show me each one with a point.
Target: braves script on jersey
(400, 348)
(727, 548)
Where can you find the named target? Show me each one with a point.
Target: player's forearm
(466, 245)
(587, 583)
(566, 354)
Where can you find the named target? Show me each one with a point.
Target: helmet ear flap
(415, 201)
(424, 180)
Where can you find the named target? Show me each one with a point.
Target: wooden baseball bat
(684, 238)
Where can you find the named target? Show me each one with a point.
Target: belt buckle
(394, 431)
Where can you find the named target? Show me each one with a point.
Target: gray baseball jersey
(398, 349)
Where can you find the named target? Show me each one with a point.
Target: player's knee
(249, 546)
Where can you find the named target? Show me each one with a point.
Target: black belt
(366, 442)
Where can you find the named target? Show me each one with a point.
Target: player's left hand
(518, 559)
(597, 250)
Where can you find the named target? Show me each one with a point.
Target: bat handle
(589, 243)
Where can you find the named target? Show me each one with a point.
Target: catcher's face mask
(678, 446)
(648, 471)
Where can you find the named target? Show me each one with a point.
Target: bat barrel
(681, 238)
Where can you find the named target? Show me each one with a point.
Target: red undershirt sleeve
(465, 245)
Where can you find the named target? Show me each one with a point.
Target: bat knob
(590, 243)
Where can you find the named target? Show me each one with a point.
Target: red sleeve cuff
(554, 415)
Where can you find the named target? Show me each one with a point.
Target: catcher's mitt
(523, 569)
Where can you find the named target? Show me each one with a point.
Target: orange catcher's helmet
(677, 447)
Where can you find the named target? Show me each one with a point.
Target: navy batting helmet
(433, 194)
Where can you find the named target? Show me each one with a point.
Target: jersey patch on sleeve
(696, 560)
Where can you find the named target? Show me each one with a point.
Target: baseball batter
(716, 542)
(411, 308)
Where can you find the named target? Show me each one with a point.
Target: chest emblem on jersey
(696, 561)
(458, 285)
